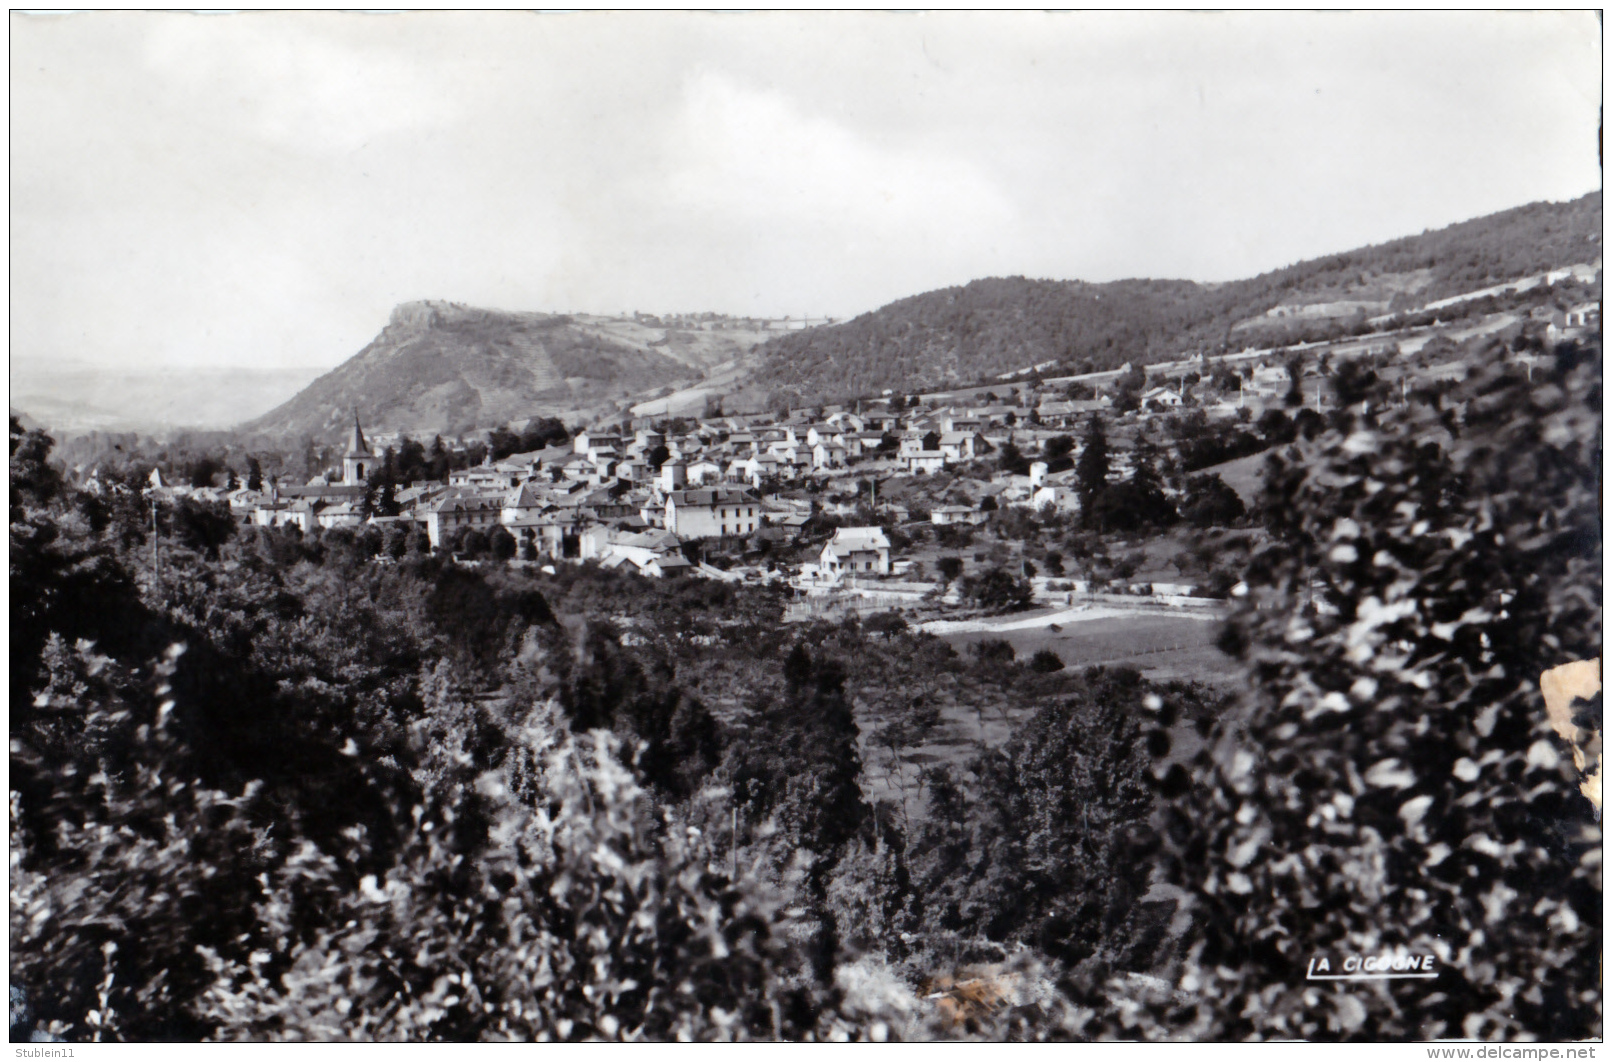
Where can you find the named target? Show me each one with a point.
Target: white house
(704, 471)
(673, 476)
(647, 561)
(957, 514)
(925, 460)
(1161, 398)
(828, 455)
(588, 441)
(711, 513)
(962, 445)
(857, 550)
(1057, 499)
(346, 514)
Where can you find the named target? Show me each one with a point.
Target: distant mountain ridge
(69, 397)
(1004, 324)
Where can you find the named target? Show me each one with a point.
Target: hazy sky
(262, 189)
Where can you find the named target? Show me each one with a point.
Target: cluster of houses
(636, 494)
(638, 498)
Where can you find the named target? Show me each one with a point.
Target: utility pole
(156, 563)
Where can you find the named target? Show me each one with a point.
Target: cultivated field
(1163, 646)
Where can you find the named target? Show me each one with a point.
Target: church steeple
(357, 460)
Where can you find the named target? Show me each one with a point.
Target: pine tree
(254, 474)
(1091, 471)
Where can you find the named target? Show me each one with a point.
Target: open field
(1150, 642)
(1245, 475)
(1163, 646)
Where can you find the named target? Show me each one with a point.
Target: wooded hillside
(1000, 325)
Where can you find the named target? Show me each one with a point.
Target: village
(861, 507)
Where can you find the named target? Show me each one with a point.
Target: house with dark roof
(711, 513)
(862, 550)
(447, 515)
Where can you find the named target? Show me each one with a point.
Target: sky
(259, 190)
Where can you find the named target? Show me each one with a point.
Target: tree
(1308, 423)
(1041, 847)
(1091, 470)
(949, 568)
(201, 526)
(203, 470)
(657, 456)
(1406, 718)
(1136, 504)
(501, 543)
(254, 474)
(999, 589)
(1276, 427)
(1295, 377)
(1011, 460)
(396, 542)
(501, 442)
(1211, 503)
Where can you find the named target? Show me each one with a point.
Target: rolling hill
(1001, 325)
(442, 367)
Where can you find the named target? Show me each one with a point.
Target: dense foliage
(1394, 786)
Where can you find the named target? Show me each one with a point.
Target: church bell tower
(357, 462)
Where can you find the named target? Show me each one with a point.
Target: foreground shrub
(537, 901)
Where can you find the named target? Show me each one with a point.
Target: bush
(419, 543)
(888, 624)
(1000, 589)
(1045, 661)
(993, 651)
